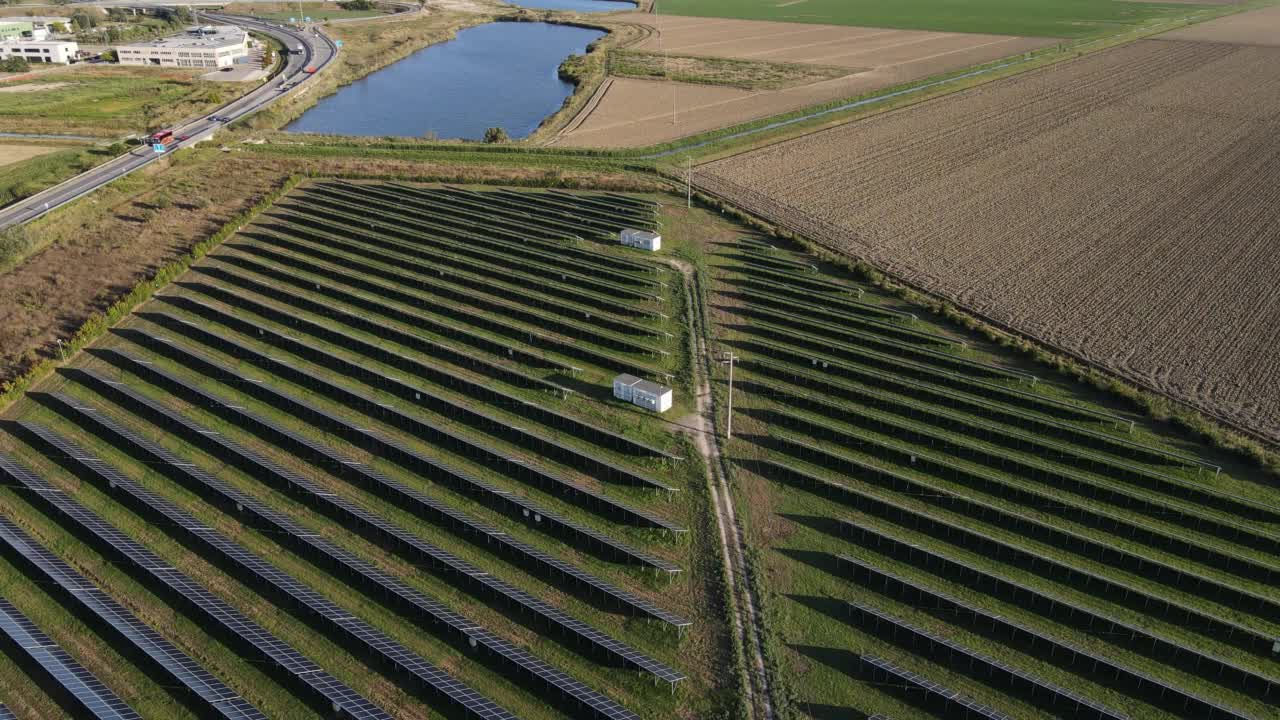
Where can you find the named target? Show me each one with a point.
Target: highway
(317, 51)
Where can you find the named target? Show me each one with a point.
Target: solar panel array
(1215, 626)
(313, 605)
(361, 321)
(585, 461)
(1061, 538)
(1090, 513)
(944, 651)
(371, 307)
(6, 713)
(93, 698)
(300, 670)
(435, 470)
(358, 517)
(1116, 632)
(337, 271)
(1043, 531)
(957, 706)
(514, 467)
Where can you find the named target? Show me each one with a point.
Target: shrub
(496, 135)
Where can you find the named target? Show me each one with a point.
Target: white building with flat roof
(40, 51)
(646, 394)
(642, 239)
(210, 46)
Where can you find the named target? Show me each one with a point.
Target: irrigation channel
(503, 74)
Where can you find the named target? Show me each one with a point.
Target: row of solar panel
(945, 701)
(1119, 634)
(242, 259)
(268, 580)
(451, 276)
(887, 335)
(1066, 459)
(435, 241)
(1089, 511)
(338, 272)
(360, 519)
(1094, 491)
(68, 678)
(482, 391)
(579, 323)
(516, 468)
(943, 651)
(296, 669)
(607, 214)
(1104, 552)
(484, 230)
(543, 223)
(1009, 436)
(919, 379)
(798, 320)
(229, 270)
(361, 575)
(1214, 626)
(508, 503)
(752, 279)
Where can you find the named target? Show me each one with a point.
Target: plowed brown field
(634, 113)
(1124, 206)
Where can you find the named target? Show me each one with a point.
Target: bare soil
(17, 153)
(637, 112)
(1122, 206)
(1258, 27)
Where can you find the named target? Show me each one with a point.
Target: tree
(496, 135)
(110, 55)
(13, 64)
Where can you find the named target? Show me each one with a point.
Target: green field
(110, 101)
(1047, 18)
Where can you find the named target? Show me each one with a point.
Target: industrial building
(40, 51)
(642, 239)
(209, 46)
(646, 394)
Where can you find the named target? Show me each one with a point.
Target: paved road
(317, 51)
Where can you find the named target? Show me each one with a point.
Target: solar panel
(1069, 541)
(76, 682)
(942, 650)
(515, 467)
(303, 670)
(1214, 626)
(364, 572)
(1106, 628)
(486, 392)
(958, 706)
(181, 669)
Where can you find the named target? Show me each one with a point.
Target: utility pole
(689, 183)
(728, 358)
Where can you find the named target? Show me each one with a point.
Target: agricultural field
(1046, 18)
(632, 111)
(1119, 206)
(941, 530)
(370, 441)
(107, 101)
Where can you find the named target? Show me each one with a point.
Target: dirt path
(746, 617)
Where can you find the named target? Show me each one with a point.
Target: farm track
(1116, 207)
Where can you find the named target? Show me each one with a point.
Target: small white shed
(648, 395)
(642, 239)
